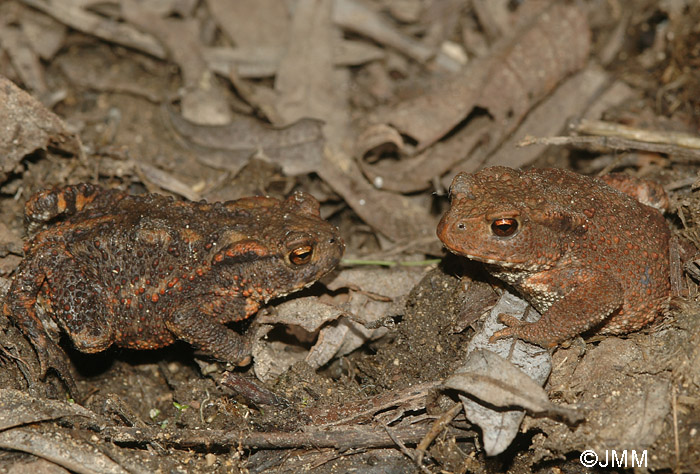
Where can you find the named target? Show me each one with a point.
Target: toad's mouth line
(491, 261)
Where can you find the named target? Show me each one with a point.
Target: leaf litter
(373, 106)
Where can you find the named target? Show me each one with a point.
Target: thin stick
(435, 430)
(345, 437)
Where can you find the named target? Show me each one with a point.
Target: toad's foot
(521, 330)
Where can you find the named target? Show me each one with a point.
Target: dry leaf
(263, 61)
(484, 104)
(297, 148)
(306, 82)
(353, 16)
(255, 23)
(203, 99)
(18, 408)
(492, 379)
(570, 99)
(499, 428)
(272, 359)
(16, 44)
(72, 13)
(28, 126)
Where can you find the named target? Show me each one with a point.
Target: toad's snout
(451, 230)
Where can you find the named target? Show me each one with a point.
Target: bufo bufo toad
(143, 271)
(586, 255)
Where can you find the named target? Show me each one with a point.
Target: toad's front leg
(585, 299)
(196, 323)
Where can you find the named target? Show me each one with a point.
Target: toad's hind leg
(20, 308)
(45, 206)
(73, 303)
(79, 306)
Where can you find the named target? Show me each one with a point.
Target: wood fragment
(603, 144)
(435, 430)
(402, 447)
(361, 436)
(60, 449)
(617, 130)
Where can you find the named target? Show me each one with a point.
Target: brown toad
(143, 271)
(586, 255)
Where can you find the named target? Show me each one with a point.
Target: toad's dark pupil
(504, 227)
(301, 255)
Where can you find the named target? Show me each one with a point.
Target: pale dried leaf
(615, 95)
(354, 16)
(263, 61)
(375, 295)
(255, 23)
(491, 378)
(389, 282)
(203, 100)
(272, 358)
(72, 14)
(379, 138)
(167, 181)
(570, 99)
(415, 173)
(330, 338)
(489, 84)
(94, 71)
(399, 218)
(323, 95)
(306, 312)
(45, 34)
(28, 126)
(499, 428)
(316, 95)
(25, 60)
(543, 52)
(297, 148)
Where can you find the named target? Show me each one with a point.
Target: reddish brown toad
(144, 271)
(584, 254)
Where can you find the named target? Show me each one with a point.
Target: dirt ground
(372, 106)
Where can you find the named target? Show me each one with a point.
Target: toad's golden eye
(301, 255)
(504, 227)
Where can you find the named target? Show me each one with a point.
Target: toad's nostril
(461, 226)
